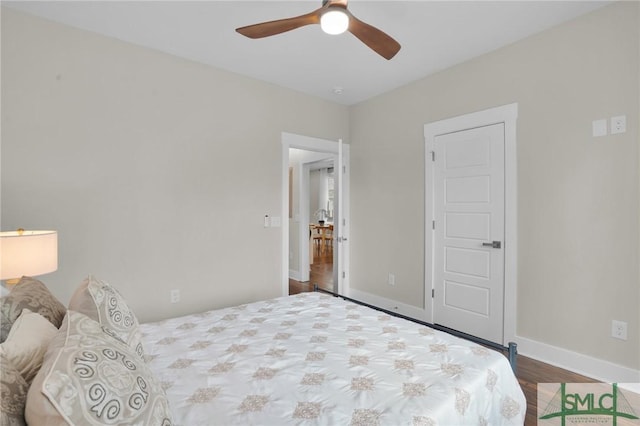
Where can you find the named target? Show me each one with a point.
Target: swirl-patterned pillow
(90, 378)
(103, 303)
(31, 294)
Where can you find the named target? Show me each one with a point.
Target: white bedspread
(317, 359)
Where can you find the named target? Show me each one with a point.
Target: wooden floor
(529, 371)
(321, 274)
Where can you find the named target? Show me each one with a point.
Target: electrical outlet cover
(619, 329)
(618, 124)
(392, 279)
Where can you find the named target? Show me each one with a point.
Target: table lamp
(27, 253)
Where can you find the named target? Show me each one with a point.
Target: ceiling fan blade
(380, 42)
(266, 29)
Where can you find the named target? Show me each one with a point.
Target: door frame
(506, 114)
(291, 140)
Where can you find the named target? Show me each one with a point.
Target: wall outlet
(392, 279)
(619, 330)
(175, 296)
(618, 124)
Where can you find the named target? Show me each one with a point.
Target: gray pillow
(13, 394)
(27, 343)
(31, 294)
(89, 378)
(103, 303)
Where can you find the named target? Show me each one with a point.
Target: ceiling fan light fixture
(334, 21)
(334, 18)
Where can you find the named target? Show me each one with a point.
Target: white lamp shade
(334, 21)
(27, 253)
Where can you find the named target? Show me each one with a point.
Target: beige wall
(156, 171)
(577, 195)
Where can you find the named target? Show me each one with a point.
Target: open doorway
(312, 220)
(305, 160)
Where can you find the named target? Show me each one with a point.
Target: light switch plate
(599, 128)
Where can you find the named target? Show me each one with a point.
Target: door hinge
(433, 156)
(344, 222)
(433, 224)
(344, 169)
(344, 274)
(433, 293)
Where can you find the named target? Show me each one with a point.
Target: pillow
(27, 343)
(103, 303)
(88, 377)
(13, 394)
(31, 294)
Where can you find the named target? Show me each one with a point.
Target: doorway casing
(508, 115)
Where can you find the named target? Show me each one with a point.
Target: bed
(317, 359)
(305, 359)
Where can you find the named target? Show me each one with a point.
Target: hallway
(321, 274)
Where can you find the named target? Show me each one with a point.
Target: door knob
(493, 244)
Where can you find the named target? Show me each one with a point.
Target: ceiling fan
(334, 18)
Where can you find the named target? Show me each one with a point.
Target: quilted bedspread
(319, 360)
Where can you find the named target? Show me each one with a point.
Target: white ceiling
(434, 35)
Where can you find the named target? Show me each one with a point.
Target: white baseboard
(294, 275)
(388, 304)
(578, 363)
(572, 361)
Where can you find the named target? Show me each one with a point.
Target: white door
(340, 222)
(469, 211)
